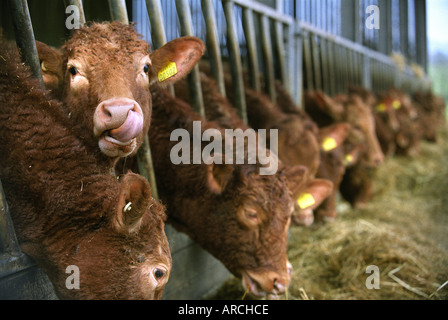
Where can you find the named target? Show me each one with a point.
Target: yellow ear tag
(396, 104)
(305, 200)
(168, 71)
(348, 159)
(381, 107)
(329, 143)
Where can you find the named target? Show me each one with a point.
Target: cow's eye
(73, 71)
(146, 68)
(158, 273)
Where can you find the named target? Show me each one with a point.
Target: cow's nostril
(107, 113)
(278, 287)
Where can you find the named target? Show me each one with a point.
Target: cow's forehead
(106, 39)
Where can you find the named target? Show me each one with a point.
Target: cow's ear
(133, 200)
(316, 191)
(351, 157)
(333, 136)
(174, 60)
(330, 106)
(296, 177)
(218, 177)
(51, 65)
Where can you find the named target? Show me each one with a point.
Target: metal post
(316, 62)
(298, 65)
(421, 34)
(404, 25)
(194, 80)
(267, 52)
(26, 43)
(235, 59)
(155, 14)
(249, 31)
(213, 45)
(78, 3)
(308, 60)
(385, 32)
(280, 46)
(118, 10)
(350, 20)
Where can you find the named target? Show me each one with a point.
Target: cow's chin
(116, 149)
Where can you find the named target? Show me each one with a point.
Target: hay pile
(403, 231)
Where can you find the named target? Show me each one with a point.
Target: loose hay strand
(245, 293)
(391, 274)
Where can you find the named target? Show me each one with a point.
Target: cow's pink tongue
(129, 129)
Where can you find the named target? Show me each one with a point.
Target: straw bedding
(403, 231)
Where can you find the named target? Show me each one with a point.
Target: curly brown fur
(64, 203)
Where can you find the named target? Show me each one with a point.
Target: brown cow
(387, 124)
(431, 112)
(69, 213)
(408, 137)
(356, 183)
(231, 210)
(107, 71)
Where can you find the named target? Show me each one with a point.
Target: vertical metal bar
(291, 63)
(385, 32)
(213, 45)
(194, 80)
(78, 3)
(308, 61)
(146, 167)
(118, 10)
(325, 66)
(267, 52)
(280, 49)
(340, 68)
(421, 34)
(331, 68)
(404, 30)
(249, 31)
(235, 59)
(280, 46)
(155, 14)
(316, 63)
(298, 59)
(23, 30)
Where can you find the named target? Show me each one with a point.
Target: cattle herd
(76, 198)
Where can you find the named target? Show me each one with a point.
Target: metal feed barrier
(300, 43)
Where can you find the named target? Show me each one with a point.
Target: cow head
(352, 109)
(248, 230)
(121, 254)
(107, 70)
